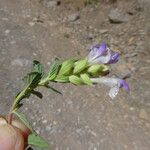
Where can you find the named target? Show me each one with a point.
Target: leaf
(38, 141)
(19, 105)
(53, 89)
(32, 147)
(32, 78)
(86, 79)
(38, 67)
(54, 69)
(24, 119)
(37, 93)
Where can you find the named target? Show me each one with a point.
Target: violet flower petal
(124, 84)
(114, 58)
(97, 51)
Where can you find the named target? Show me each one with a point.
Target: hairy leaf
(38, 141)
(32, 78)
(38, 67)
(24, 119)
(53, 71)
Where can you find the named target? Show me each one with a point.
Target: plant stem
(16, 101)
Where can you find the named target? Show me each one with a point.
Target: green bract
(80, 65)
(86, 79)
(97, 69)
(67, 67)
(75, 80)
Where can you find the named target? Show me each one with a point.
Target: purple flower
(114, 83)
(102, 54)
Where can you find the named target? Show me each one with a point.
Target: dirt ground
(83, 118)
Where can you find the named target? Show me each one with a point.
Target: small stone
(20, 62)
(103, 31)
(116, 16)
(31, 24)
(48, 128)
(44, 121)
(144, 115)
(50, 3)
(73, 17)
(7, 32)
(130, 55)
(89, 36)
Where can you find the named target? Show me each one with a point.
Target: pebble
(144, 115)
(44, 121)
(131, 55)
(73, 17)
(103, 31)
(7, 32)
(49, 127)
(31, 24)
(20, 62)
(117, 16)
(50, 3)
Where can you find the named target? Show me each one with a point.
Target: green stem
(16, 101)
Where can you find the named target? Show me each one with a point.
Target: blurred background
(83, 118)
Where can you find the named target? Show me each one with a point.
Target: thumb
(10, 137)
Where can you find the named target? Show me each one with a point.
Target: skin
(13, 137)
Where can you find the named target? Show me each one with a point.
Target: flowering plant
(87, 71)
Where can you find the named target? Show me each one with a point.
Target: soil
(83, 117)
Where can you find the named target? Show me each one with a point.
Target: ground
(83, 118)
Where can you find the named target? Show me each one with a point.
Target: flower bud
(75, 80)
(80, 65)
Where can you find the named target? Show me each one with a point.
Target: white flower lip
(114, 83)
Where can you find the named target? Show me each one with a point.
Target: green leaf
(24, 119)
(67, 67)
(32, 78)
(37, 93)
(38, 67)
(80, 65)
(32, 147)
(86, 79)
(38, 141)
(75, 80)
(54, 69)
